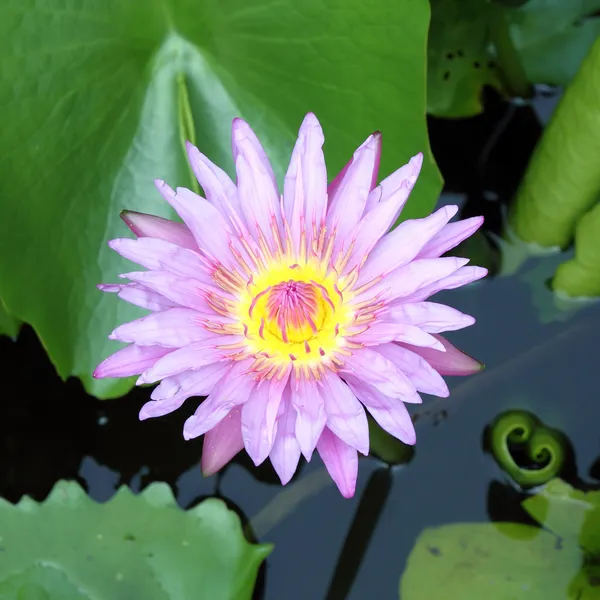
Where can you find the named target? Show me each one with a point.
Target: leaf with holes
(460, 61)
(72, 548)
(103, 93)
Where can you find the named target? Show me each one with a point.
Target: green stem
(509, 61)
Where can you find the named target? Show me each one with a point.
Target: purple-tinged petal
(259, 416)
(245, 142)
(311, 417)
(450, 236)
(429, 316)
(390, 413)
(173, 328)
(285, 453)
(234, 389)
(190, 357)
(405, 284)
(138, 295)
(202, 380)
(347, 205)
(131, 360)
(305, 184)
(341, 461)
(346, 417)
(207, 224)
(159, 255)
(222, 443)
(337, 180)
(382, 213)
(151, 226)
(216, 184)
(183, 291)
(402, 245)
(419, 372)
(160, 408)
(450, 281)
(380, 372)
(396, 188)
(451, 362)
(382, 333)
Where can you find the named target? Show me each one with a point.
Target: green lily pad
(569, 513)
(72, 548)
(103, 93)
(499, 561)
(470, 561)
(8, 324)
(460, 60)
(553, 37)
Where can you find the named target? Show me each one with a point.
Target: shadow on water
(325, 546)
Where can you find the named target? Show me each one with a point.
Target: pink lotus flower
(294, 312)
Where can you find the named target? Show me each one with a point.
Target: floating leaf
(552, 37)
(130, 547)
(562, 180)
(460, 61)
(102, 94)
(569, 513)
(470, 561)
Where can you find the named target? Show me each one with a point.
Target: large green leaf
(471, 561)
(8, 324)
(553, 37)
(98, 96)
(72, 548)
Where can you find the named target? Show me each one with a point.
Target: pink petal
(190, 357)
(186, 292)
(347, 205)
(402, 245)
(171, 328)
(380, 372)
(305, 184)
(222, 443)
(382, 333)
(144, 225)
(285, 453)
(139, 296)
(450, 281)
(406, 283)
(451, 362)
(419, 372)
(335, 184)
(383, 213)
(390, 413)
(131, 360)
(257, 187)
(244, 142)
(220, 191)
(429, 316)
(311, 417)
(341, 461)
(346, 417)
(159, 255)
(450, 236)
(396, 188)
(234, 389)
(201, 379)
(207, 224)
(259, 415)
(200, 383)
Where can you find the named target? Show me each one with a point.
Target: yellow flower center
(294, 312)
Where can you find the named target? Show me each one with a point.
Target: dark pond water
(327, 547)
